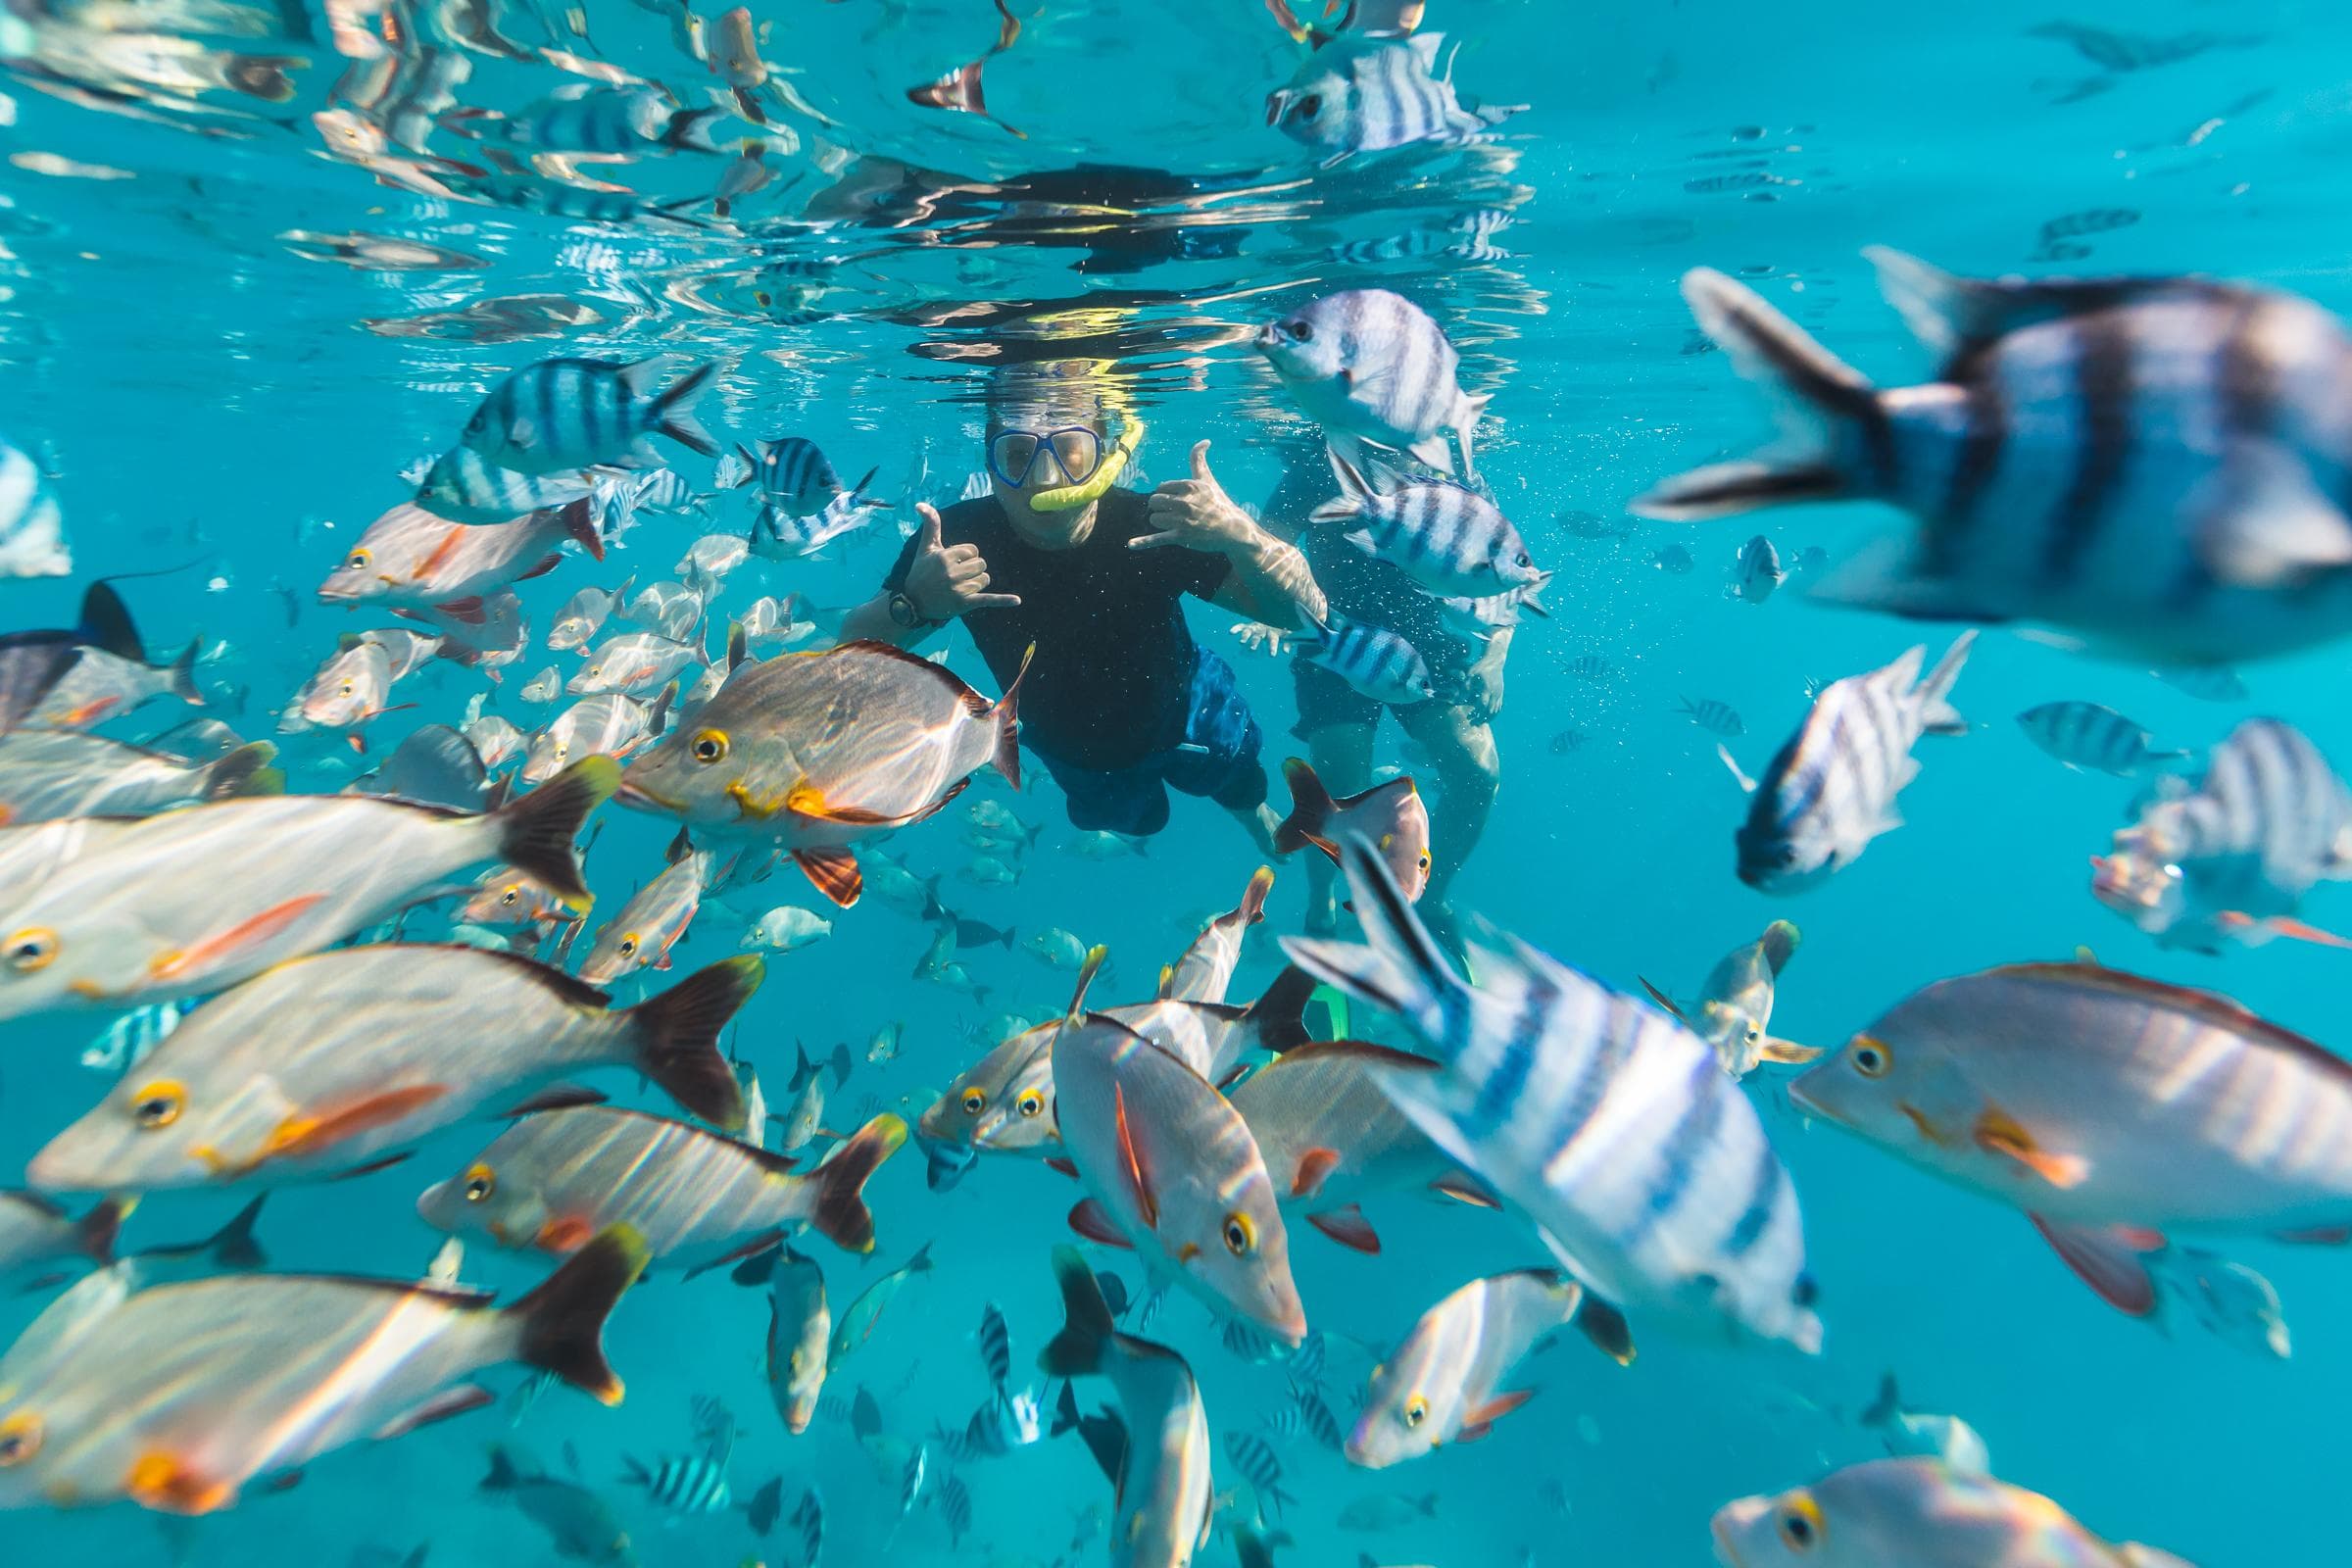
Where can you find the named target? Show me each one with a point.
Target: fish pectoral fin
(1066, 1166)
(2000, 1133)
(834, 873)
(1093, 1221)
(1349, 1227)
(303, 1134)
(2108, 1260)
(1131, 1160)
(2296, 930)
(568, 1233)
(224, 947)
(167, 1484)
(1788, 1052)
(440, 1407)
(1314, 1169)
(1478, 1421)
(806, 800)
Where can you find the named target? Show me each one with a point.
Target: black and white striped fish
(1831, 788)
(1714, 716)
(665, 492)
(914, 1479)
(1450, 540)
(2228, 856)
(1317, 1417)
(1248, 1341)
(995, 1347)
(1255, 1458)
(1373, 659)
(2086, 735)
(998, 1428)
(683, 1484)
(793, 470)
(1308, 1361)
(1759, 571)
(130, 1039)
(560, 415)
(955, 1507)
(1369, 364)
(1368, 95)
(1470, 236)
(465, 486)
(2151, 464)
(1606, 1122)
(1283, 1422)
(809, 1519)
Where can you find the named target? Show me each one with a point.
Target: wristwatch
(903, 614)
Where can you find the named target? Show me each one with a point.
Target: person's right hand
(946, 580)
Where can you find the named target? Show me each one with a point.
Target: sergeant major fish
(568, 413)
(2085, 735)
(1370, 366)
(1451, 541)
(1375, 660)
(1369, 94)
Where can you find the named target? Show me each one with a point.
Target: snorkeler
(1338, 722)
(1119, 702)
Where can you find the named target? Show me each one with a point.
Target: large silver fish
(410, 557)
(51, 773)
(1606, 1122)
(2149, 463)
(611, 725)
(1207, 967)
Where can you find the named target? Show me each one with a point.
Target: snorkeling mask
(1065, 498)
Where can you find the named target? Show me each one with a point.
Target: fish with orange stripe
(409, 556)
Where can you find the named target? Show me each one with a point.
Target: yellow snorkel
(1063, 498)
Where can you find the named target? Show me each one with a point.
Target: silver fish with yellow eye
(1443, 1384)
(1207, 967)
(409, 556)
(635, 663)
(584, 613)
(649, 924)
(199, 898)
(1732, 1011)
(669, 608)
(800, 1329)
(179, 1396)
(609, 725)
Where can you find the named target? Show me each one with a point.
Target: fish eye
(1423, 861)
(1523, 558)
(20, 1438)
(1801, 1524)
(508, 897)
(1030, 1102)
(1416, 1410)
(1871, 1058)
(33, 948)
(1241, 1234)
(359, 560)
(480, 1181)
(975, 1101)
(709, 745)
(347, 688)
(1308, 108)
(159, 1104)
(628, 946)
(1300, 328)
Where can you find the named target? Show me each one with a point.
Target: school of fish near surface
(533, 891)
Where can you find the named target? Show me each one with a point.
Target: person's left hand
(1196, 514)
(1481, 689)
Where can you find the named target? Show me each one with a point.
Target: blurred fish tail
(560, 1325)
(675, 1038)
(841, 1214)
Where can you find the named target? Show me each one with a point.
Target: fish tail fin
(1086, 1328)
(95, 1233)
(674, 1038)
(579, 520)
(1401, 967)
(1887, 1405)
(841, 1215)
(182, 677)
(245, 772)
(1779, 941)
(537, 831)
(1278, 1017)
(1312, 807)
(561, 1323)
(1253, 907)
(674, 414)
(1007, 755)
(1937, 714)
(1816, 397)
(235, 1245)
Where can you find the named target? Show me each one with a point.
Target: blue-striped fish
(590, 119)
(1715, 716)
(1606, 1122)
(1314, 1415)
(664, 491)
(562, 415)
(132, 1037)
(465, 486)
(1373, 659)
(2229, 856)
(955, 1507)
(1470, 236)
(1449, 539)
(780, 533)
(1255, 1458)
(1830, 787)
(2147, 463)
(1759, 571)
(794, 472)
(1370, 366)
(1368, 95)
(2085, 735)
(995, 1347)
(1308, 1361)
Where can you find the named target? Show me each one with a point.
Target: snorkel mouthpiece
(1114, 462)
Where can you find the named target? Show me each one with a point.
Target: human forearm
(1272, 582)
(872, 622)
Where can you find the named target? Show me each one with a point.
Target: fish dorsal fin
(1957, 316)
(1427, 45)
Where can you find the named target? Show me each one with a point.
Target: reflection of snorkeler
(1120, 703)
(1338, 724)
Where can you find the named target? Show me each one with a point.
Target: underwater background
(244, 283)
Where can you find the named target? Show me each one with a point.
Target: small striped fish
(560, 416)
(955, 1507)
(793, 471)
(683, 1484)
(1450, 540)
(665, 492)
(1371, 365)
(1373, 659)
(1285, 1423)
(1255, 1457)
(1245, 1340)
(1317, 1417)
(1308, 1361)
(1469, 236)
(809, 1519)
(2231, 857)
(995, 1347)
(1759, 571)
(130, 1039)
(1715, 717)
(2085, 735)
(465, 486)
(1606, 1123)
(1831, 788)
(1368, 95)
(2150, 464)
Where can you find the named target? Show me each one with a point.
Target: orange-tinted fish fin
(1349, 1227)
(834, 873)
(1462, 1189)
(1787, 1051)
(2108, 1260)
(1131, 1160)
(1093, 1221)
(1662, 999)
(357, 742)
(2280, 925)
(1314, 1168)
(1480, 1420)
(468, 609)
(1067, 1167)
(568, 1233)
(438, 557)
(2000, 1133)
(440, 1407)
(164, 1482)
(225, 946)
(302, 1136)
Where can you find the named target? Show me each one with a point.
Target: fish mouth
(634, 794)
(1278, 103)
(1727, 1551)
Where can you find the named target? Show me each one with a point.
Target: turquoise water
(218, 397)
